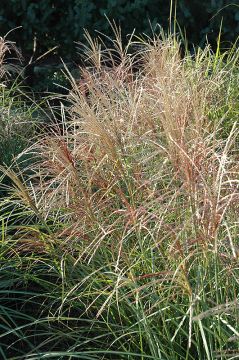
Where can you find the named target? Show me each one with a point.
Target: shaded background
(61, 22)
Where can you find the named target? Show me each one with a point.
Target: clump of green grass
(130, 229)
(16, 111)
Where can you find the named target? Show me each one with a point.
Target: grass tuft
(125, 232)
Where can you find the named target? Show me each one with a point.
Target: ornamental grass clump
(133, 199)
(135, 144)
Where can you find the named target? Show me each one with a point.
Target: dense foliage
(61, 22)
(119, 221)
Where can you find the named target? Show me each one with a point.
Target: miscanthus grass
(124, 243)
